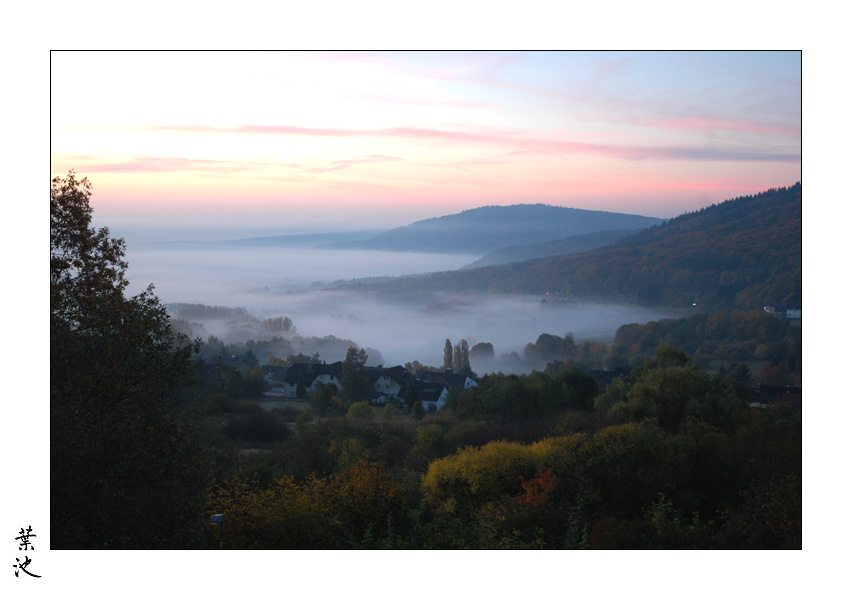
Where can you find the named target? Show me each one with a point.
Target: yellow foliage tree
(286, 515)
(477, 475)
(319, 513)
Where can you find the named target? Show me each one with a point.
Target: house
(448, 378)
(433, 396)
(766, 395)
(435, 387)
(388, 383)
(775, 309)
(783, 313)
(310, 374)
(275, 377)
(216, 367)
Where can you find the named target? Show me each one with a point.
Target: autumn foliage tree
(350, 509)
(537, 489)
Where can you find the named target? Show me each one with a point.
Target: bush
(361, 411)
(287, 414)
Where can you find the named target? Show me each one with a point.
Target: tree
(411, 391)
(279, 325)
(448, 354)
(669, 356)
(322, 399)
(86, 265)
(546, 347)
(250, 358)
(255, 384)
(417, 411)
(591, 353)
(578, 388)
(674, 393)
(390, 412)
(459, 357)
(483, 351)
(126, 468)
(361, 411)
(292, 359)
(464, 356)
(353, 375)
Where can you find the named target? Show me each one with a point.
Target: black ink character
(23, 566)
(25, 539)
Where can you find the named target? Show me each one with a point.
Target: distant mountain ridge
(489, 228)
(743, 253)
(290, 240)
(307, 240)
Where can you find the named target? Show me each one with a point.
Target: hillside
(742, 253)
(569, 245)
(489, 228)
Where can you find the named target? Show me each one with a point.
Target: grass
(270, 404)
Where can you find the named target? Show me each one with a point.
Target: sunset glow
(287, 140)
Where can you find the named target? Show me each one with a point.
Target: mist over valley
(403, 327)
(270, 278)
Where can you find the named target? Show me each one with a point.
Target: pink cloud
(170, 164)
(505, 139)
(345, 164)
(211, 168)
(143, 164)
(704, 123)
(160, 164)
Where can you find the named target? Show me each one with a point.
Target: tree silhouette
(126, 469)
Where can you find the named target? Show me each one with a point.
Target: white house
(434, 396)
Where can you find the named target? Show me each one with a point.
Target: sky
(221, 143)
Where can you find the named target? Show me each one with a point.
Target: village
(400, 387)
(387, 384)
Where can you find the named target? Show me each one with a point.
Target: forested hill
(742, 253)
(569, 245)
(485, 229)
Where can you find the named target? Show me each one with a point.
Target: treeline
(184, 310)
(241, 333)
(743, 253)
(193, 320)
(745, 336)
(727, 339)
(569, 245)
(667, 457)
(276, 348)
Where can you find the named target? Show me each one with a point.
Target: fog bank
(284, 282)
(232, 275)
